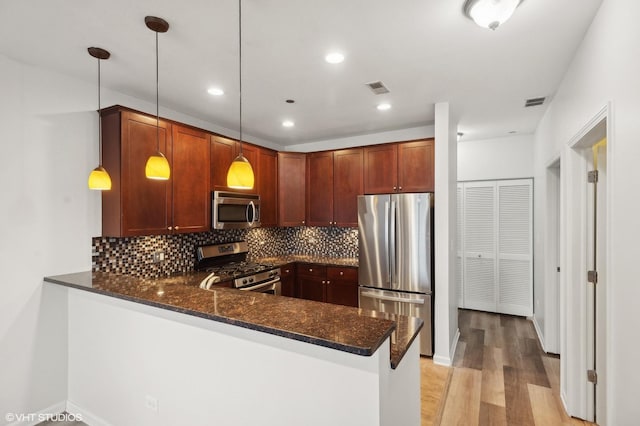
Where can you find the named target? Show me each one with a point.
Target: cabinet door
(267, 186)
(291, 188)
(380, 169)
(146, 203)
(311, 288)
(190, 180)
(342, 286)
(320, 189)
(223, 151)
(348, 183)
(251, 153)
(415, 170)
(288, 280)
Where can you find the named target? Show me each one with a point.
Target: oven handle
(260, 285)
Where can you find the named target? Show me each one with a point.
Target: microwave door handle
(253, 213)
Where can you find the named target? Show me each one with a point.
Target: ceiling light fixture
(288, 123)
(215, 91)
(99, 178)
(383, 107)
(490, 13)
(157, 165)
(240, 173)
(334, 58)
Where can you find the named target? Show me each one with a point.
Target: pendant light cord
(99, 119)
(157, 98)
(240, 64)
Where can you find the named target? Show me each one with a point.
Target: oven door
(232, 210)
(270, 287)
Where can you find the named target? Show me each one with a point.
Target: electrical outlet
(151, 403)
(158, 257)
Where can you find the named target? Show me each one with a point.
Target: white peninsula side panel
(132, 364)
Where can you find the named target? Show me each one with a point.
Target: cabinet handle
(328, 282)
(341, 273)
(169, 228)
(303, 222)
(395, 188)
(286, 271)
(399, 188)
(310, 269)
(176, 228)
(322, 282)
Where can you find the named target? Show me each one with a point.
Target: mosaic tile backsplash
(134, 255)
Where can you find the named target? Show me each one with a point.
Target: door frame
(553, 229)
(575, 391)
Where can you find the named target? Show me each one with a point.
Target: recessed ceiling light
(215, 91)
(384, 106)
(334, 58)
(288, 123)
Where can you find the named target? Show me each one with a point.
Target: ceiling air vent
(534, 102)
(378, 87)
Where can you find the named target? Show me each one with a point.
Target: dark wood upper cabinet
(135, 205)
(320, 189)
(415, 166)
(291, 188)
(380, 169)
(140, 206)
(399, 167)
(223, 151)
(190, 179)
(268, 186)
(348, 183)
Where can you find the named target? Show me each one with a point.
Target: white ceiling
(425, 51)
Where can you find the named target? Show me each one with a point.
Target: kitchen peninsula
(235, 357)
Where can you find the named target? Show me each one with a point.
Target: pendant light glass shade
(99, 178)
(240, 173)
(490, 13)
(157, 166)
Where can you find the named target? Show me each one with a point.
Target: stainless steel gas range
(227, 264)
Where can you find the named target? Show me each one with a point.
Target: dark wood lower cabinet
(288, 280)
(331, 284)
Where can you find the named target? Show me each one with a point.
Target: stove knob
(250, 280)
(244, 281)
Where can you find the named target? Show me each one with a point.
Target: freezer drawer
(409, 304)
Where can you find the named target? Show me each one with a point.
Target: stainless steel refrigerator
(396, 254)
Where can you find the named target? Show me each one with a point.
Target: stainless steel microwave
(233, 210)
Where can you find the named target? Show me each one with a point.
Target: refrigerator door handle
(392, 244)
(393, 299)
(387, 209)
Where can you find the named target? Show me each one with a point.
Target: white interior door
(479, 246)
(515, 247)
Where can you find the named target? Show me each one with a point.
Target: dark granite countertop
(358, 331)
(320, 260)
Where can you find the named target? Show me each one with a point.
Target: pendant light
(99, 178)
(157, 165)
(240, 174)
(490, 13)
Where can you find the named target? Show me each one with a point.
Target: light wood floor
(500, 376)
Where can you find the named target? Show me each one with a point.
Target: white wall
(605, 69)
(202, 372)
(509, 157)
(445, 222)
(366, 139)
(48, 134)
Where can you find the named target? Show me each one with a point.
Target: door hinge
(592, 376)
(557, 269)
(592, 277)
(592, 176)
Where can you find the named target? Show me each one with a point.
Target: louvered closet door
(515, 257)
(479, 246)
(459, 244)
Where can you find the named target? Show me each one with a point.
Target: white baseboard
(87, 416)
(448, 360)
(32, 419)
(539, 333)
